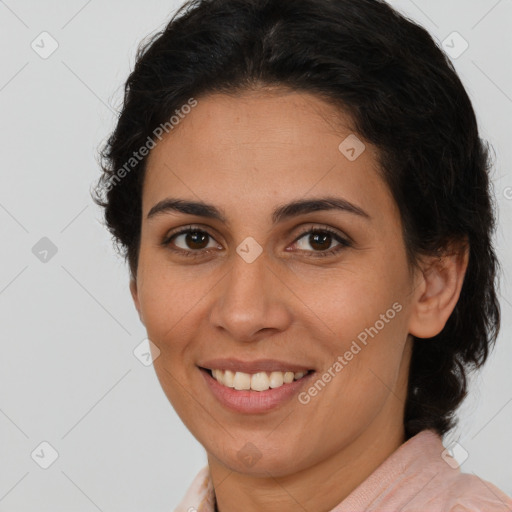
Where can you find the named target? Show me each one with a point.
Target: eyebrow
(281, 213)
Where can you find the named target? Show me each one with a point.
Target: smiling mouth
(259, 381)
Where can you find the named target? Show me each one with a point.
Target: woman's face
(256, 284)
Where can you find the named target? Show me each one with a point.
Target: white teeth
(276, 379)
(260, 381)
(241, 380)
(288, 377)
(228, 378)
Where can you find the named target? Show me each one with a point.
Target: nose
(251, 301)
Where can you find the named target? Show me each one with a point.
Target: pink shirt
(415, 478)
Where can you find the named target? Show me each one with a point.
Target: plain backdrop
(68, 328)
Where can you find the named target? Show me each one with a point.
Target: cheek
(164, 300)
(349, 302)
(174, 303)
(363, 370)
(366, 313)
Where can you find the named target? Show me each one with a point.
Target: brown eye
(196, 239)
(321, 242)
(191, 240)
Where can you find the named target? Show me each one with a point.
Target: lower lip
(254, 401)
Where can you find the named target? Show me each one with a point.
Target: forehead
(261, 148)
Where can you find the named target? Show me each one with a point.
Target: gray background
(68, 328)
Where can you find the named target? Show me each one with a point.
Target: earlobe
(441, 283)
(135, 297)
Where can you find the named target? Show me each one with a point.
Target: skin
(248, 154)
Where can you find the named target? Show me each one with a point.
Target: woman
(303, 199)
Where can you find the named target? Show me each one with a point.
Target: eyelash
(343, 243)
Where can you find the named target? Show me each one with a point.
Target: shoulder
(467, 493)
(422, 477)
(441, 484)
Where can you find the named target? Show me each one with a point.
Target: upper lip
(259, 365)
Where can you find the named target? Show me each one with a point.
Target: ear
(135, 297)
(437, 290)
